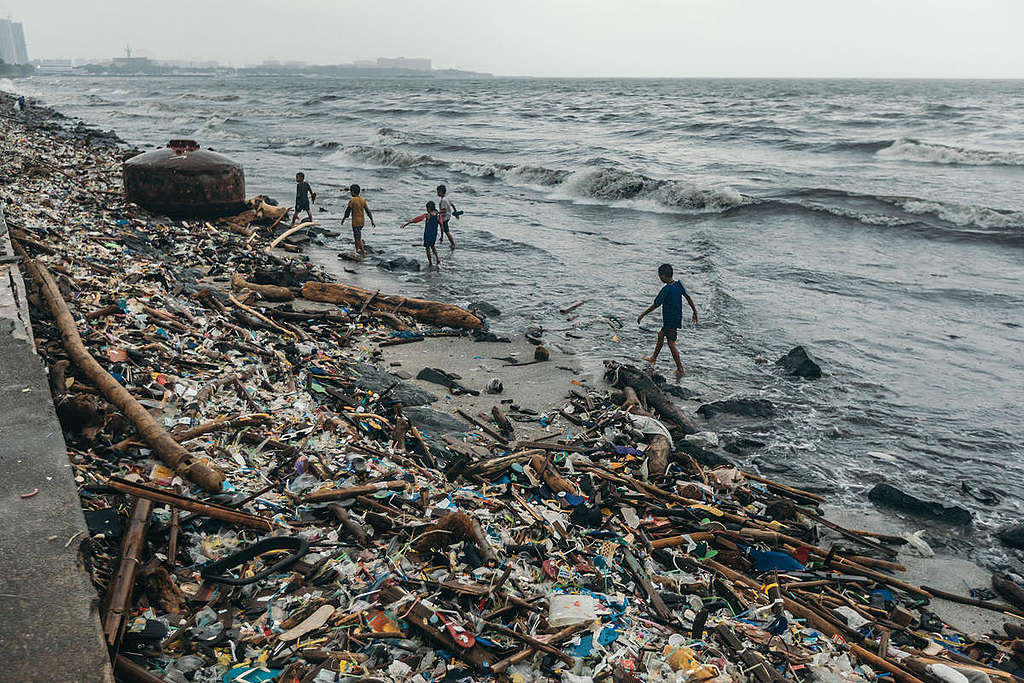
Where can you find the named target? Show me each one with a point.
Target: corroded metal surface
(184, 180)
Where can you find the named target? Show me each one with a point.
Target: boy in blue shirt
(670, 298)
(429, 231)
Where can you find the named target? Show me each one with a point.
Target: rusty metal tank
(185, 181)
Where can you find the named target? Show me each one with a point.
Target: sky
(588, 38)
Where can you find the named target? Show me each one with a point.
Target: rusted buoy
(186, 181)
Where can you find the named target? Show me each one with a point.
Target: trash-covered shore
(264, 504)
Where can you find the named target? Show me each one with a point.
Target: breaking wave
(933, 153)
(963, 215)
(591, 184)
(613, 185)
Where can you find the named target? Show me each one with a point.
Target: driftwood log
(265, 292)
(457, 526)
(621, 376)
(169, 450)
(430, 312)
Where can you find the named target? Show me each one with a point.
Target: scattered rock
(485, 309)
(495, 386)
(445, 379)
(434, 421)
(541, 354)
(372, 378)
(399, 264)
(746, 407)
(1012, 535)
(799, 363)
(890, 496)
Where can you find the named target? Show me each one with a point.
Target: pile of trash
(260, 510)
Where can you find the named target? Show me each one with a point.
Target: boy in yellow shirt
(357, 208)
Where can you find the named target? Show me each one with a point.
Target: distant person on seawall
(446, 210)
(303, 193)
(670, 299)
(356, 208)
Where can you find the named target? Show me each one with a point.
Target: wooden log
(169, 450)
(127, 670)
(221, 512)
(280, 238)
(239, 422)
(549, 473)
(430, 312)
(351, 525)
(486, 430)
(262, 318)
(419, 615)
(503, 422)
(329, 495)
(553, 639)
(458, 526)
(117, 600)
(265, 292)
(532, 642)
(620, 375)
(642, 578)
(974, 602)
(658, 449)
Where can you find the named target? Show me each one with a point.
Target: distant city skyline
(645, 38)
(12, 42)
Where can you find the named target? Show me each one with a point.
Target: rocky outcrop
(799, 363)
(890, 496)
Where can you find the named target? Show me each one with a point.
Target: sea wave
(907, 149)
(380, 157)
(963, 215)
(614, 185)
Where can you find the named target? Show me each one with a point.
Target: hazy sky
(883, 38)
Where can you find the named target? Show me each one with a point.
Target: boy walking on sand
(445, 212)
(302, 194)
(357, 208)
(670, 298)
(429, 231)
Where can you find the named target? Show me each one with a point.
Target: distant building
(403, 63)
(53, 65)
(12, 42)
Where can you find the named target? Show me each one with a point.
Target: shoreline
(537, 386)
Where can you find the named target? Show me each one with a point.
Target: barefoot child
(445, 212)
(670, 298)
(357, 208)
(303, 192)
(429, 231)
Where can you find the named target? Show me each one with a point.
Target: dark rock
(890, 496)
(372, 378)
(1012, 535)
(677, 391)
(747, 407)
(481, 336)
(434, 421)
(541, 354)
(743, 446)
(400, 263)
(706, 458)
(800, 364)
(445, 379)
(485, 309)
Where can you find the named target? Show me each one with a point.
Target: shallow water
(879, 223)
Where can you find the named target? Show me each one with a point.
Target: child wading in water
(445, 212)
(429, 231)
(357, 208)
(303, 192)
(670, 298)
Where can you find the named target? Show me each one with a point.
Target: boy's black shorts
(671, 333)
(444, 225)
(302, 206)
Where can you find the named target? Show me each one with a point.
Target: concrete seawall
(49, 621)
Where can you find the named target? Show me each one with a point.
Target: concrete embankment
(49, 622)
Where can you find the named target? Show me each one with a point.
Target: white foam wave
(933, 153)
(614, 185)
(963, 215)
(369, 156)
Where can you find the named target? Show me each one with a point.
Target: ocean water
(878, 223)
